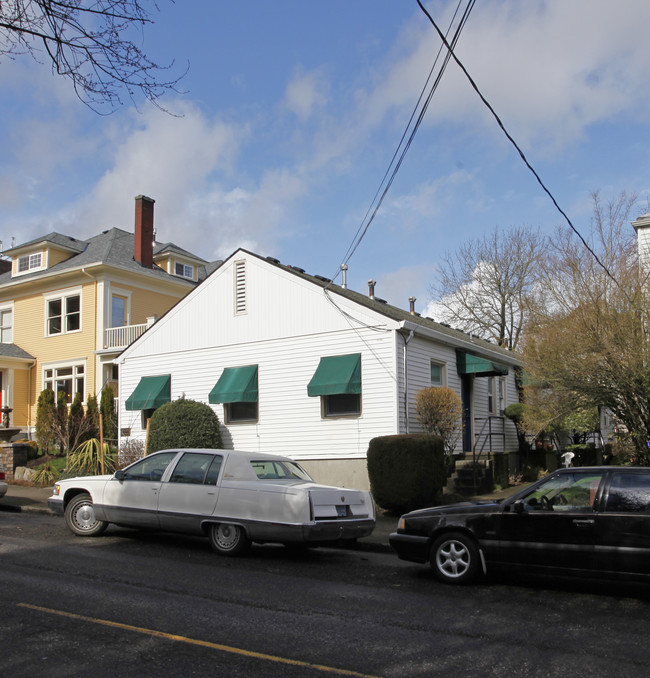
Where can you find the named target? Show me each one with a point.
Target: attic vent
(240, 287)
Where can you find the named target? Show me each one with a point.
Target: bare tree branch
(91, 42)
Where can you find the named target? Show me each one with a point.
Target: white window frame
(496, 395)
(52, 373)
(35, 262)
(443, 373)
(7, 330)
(63, 296)
(117, 292)
(187, 270)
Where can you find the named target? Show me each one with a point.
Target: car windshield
(565, 492)
(279, 470)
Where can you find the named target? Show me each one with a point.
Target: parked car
(575, 520)
(232, 497)
(3, 482)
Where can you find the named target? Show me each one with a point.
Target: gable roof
(468, 342)
(113, 247)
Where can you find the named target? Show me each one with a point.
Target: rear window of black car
(629, 493)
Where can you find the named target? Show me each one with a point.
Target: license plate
(342, 511)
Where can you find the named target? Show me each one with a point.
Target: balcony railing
(121, 337)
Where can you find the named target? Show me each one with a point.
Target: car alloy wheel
(455, 558)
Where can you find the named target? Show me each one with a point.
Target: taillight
(2, 475)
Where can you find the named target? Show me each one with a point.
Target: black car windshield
(565, 492)
(279, 470)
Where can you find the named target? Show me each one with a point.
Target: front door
(556, 525)
(133, 500)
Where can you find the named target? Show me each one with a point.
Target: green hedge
(406, 472)
(184, 423)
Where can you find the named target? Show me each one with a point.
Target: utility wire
(514, 143)
(396, 164)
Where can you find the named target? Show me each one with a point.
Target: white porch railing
(121, 337)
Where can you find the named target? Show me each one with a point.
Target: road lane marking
(193, 641)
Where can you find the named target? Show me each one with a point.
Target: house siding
(285, 326)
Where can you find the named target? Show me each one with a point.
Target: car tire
(228, 540)
(455, 558)
(80, 517)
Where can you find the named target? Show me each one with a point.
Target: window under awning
(467, 363)
(150, 393)
(235, 385)
(335, 375)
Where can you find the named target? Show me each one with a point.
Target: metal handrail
(487, 421)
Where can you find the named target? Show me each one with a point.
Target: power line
(398, 157)
(514, 143)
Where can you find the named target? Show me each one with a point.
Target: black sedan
(577, 520)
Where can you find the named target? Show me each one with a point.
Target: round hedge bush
(184, 423)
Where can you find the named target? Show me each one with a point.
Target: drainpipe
(406, 380)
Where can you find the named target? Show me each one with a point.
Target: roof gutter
(458, 342)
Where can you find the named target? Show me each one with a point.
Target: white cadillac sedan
(232, 497)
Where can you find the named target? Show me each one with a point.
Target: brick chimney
(144, 230)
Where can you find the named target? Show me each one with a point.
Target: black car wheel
(80, 517)
(228, 540)
(455, 558)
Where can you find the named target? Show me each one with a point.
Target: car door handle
(583, 521)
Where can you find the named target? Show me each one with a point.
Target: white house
(294, 364)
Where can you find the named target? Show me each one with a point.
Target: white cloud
(550, 69)
(306, 93)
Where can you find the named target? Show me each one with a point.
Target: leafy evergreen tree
(75, 417)
(92, 417)
(61, 420)
(45, 414)
(109, 418)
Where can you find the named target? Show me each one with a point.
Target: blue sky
(291, 112)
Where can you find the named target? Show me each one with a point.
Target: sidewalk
(34, 499)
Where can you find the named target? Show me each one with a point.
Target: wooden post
(101, 443)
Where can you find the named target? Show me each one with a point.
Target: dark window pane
(213, 472)
(629, 493)
(342, 404)
(242, 412)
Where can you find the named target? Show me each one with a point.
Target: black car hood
(457, 509)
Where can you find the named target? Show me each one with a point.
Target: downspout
(406, 379)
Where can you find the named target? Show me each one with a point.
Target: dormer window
(30, 262)
(183, 270)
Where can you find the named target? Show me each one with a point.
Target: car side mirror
(119, 475)
(518, 507)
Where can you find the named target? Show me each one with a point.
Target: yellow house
(68, 307)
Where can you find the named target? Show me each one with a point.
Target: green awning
(150, 393)
(335, 375)
(467, 363)
(235, 385)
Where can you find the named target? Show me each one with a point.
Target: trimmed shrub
(184, 423)
(406, 472)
